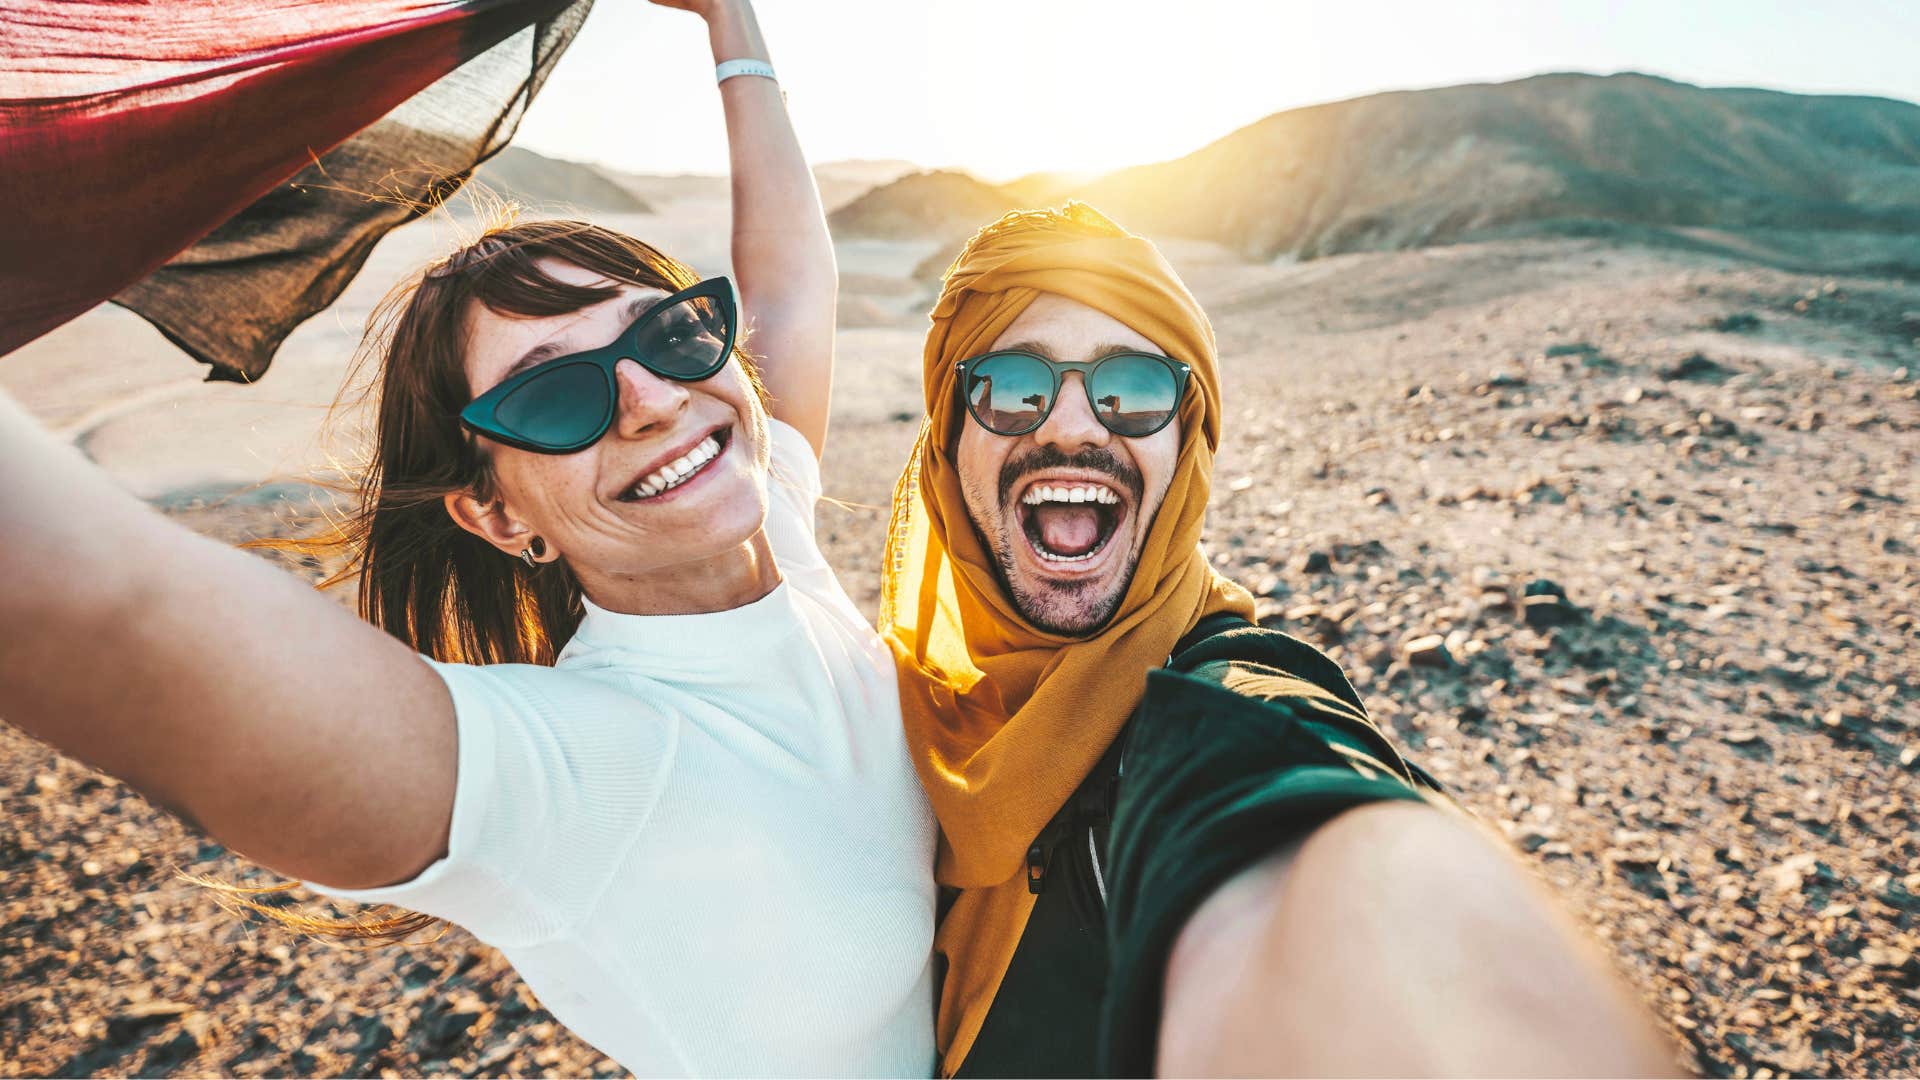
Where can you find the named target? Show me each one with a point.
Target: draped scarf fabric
(223, 168)
(1005, 720)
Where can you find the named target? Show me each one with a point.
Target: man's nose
(646, 400)
(1072, 426)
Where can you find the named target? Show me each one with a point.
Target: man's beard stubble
(1036, 609)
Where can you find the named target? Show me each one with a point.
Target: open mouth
(677, 473)
(1069, 522)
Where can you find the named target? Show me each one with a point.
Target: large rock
(1544, 604)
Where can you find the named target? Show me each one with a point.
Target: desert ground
(1619, 542)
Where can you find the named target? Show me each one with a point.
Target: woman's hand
(706, 9)
(698, 7)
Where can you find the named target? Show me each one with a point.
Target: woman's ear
(489, 520)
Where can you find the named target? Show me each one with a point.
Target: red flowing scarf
(224, 168)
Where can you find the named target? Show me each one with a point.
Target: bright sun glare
(1005, 87)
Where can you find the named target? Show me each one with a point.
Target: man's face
(1066, 564)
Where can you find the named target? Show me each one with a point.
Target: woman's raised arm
(782, 255)
(218, 686)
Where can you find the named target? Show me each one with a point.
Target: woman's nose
(646, 400)
(1071, 426)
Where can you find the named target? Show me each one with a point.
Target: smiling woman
(623, 723)
(641, 523)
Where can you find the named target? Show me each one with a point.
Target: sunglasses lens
(687, 340)
(1133, 395)
(564, 407)
(1009, 393)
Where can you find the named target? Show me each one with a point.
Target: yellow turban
(1005, 720)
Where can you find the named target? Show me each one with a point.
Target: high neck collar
(720, 636)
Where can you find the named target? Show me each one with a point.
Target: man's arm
(782, 255)
(1395, 940)
(1289, 896)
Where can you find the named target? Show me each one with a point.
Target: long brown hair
(444, 591)
(422, 578)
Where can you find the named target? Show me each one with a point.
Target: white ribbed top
(699, 838)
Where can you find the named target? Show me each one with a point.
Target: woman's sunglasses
(564, 405)
(1131, 394)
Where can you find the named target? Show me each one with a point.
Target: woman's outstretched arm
(782, 255)
(218, 686)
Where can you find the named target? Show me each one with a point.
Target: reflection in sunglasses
(1132, 394)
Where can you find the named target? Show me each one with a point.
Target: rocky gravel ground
(1621, 545)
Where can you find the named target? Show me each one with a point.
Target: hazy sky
(1004, 87)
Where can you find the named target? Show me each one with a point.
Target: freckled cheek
(550, 485)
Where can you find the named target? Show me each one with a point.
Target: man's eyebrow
(1040, 349)
(561, 346)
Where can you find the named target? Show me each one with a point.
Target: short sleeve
(793, 488)
(1224, 764)
(557, 775)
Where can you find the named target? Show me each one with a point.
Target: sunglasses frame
(1181, 372)
(480, 415)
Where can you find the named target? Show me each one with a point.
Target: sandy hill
(937, 204)
(841, 182)
(1404, 169)
(552, 183)
(1047, 188)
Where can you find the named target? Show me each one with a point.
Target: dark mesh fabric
(224, 169)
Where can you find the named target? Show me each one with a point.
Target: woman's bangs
(513, 282)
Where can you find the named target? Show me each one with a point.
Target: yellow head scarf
(1005, 720)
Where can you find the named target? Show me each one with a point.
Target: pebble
(1428, 650)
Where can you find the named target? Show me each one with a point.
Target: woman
(651, 751)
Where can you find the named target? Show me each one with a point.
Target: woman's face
(614, 511)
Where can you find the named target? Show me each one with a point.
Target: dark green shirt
(1246, 739)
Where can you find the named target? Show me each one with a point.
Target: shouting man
(1172, 840)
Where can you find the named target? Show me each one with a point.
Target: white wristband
(727, 69)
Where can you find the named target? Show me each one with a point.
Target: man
(1278, 892)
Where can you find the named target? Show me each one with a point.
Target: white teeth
(1051, 557)
(676, 472)
(1085, 493)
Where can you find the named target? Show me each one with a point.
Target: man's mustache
(1047, 457)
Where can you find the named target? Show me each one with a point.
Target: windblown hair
(422, 578)
(444, 591)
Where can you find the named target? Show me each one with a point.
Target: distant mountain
(1404, 169)
(553, 183)
(841, 182)
(923, 205)
(1047, 188)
